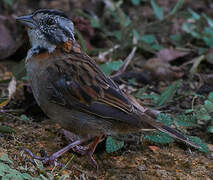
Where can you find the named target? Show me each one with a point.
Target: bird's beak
(27, 21)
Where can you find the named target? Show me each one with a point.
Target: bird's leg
(84, 150)
(71, 137)
(52, 159)
(91, 150)
(81, 149)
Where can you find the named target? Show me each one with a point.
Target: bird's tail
(147, 119)
(166, 129)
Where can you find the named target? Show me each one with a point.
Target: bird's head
(48, 28)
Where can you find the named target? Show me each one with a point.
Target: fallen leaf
(210, 146)
(11, 91)
(207, 78)
(10, 39)
(209, 56)
(154, 148)
(170, 54)
(196, 62)
(12, 87)
(162, 70)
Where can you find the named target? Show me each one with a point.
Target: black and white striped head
(48, 27)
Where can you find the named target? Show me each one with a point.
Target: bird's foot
(52, 159)
(71, 137)
(88, 150)
(46, 160)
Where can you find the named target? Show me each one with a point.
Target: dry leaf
(12, 87)
(209, 56)
(10, 39)
(11, 91)
(210, 146)
(162, 70)
(154, 148)
(170, 54)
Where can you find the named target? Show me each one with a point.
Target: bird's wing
(79, 83)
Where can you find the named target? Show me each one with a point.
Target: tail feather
(176, 134)
(148, 118)
(166, 129)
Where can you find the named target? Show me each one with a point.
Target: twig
(102, 55)
(127, 60)
(4, 113)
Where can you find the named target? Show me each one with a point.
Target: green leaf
(169, 93)
(4, 158)
(113, 145)
(140, 92)
(185, 120)
(152, 96)
(187, 111)
(209, 106)
(4, 168)
(178, 5)
(202, 114)
(209, 20)
(109, 67)
(157, 10)
(195, 15)
(165, 119)
(136, 34)
(135, 2)
(9, 2)
(117, 34)
(132, 82)
(24, 117)
(63, 177)
(148, 38)
(210, 129)
(210, 97)
(157, 47)
(202, 50)
(208, 36)
(6, 129)
(27, 176)
(175, 37)
(95, 22)
(190, 28)
(127, 21)
(39, 164)
(159, 138)
(49, 175)
(200, 143)
(43, 177)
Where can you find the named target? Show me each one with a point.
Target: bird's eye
(50, 21)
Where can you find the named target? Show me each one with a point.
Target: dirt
(134, 161)
(137, 160)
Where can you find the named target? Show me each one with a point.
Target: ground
(186, 55)
(135, 161)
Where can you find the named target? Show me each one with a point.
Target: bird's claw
(46, 160)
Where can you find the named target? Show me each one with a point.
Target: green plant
(178, 120)
(7, 172)
(205, 113)
(166, 96)
(199, 27)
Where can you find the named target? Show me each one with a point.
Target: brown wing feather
(88, 84)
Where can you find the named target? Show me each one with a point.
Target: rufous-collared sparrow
(72, 90)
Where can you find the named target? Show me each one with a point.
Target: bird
(72, 90)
